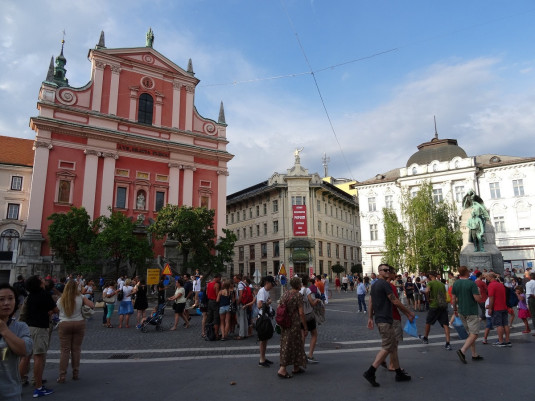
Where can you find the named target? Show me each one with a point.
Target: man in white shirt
(263, 298)
(530, 297)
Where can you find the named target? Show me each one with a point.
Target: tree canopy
(193, 230)
(70, 235)
(117, 242)
(428, 237)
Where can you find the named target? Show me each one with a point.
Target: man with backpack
(438, 308)
(498, 310)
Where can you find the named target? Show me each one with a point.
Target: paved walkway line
(255, 355)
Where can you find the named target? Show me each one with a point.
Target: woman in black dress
(141, 304)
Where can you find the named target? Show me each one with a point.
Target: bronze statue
(477, 221)
(150, 38)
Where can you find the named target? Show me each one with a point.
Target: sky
(357, 80)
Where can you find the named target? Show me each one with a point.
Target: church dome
(436, 149)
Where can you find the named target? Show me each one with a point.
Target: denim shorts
(126, 308)
(224, 309)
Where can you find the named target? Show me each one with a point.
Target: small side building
(16, 161)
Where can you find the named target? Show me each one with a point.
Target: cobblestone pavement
(345, 349)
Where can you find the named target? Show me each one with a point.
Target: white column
(133, 103)
(174, 183)
(189, 108)
(108, 174)
(90, 181)
(98, 78)
(221, 201)
(37, 191)
(187, 186)
(114, 89)
(176, 104)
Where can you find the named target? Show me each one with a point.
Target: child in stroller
(154, 319)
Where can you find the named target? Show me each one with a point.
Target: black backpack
(264, 326)
(210, 332)
(511, 300)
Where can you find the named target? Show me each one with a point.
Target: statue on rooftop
(150, 38)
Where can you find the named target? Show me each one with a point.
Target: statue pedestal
(491, 258)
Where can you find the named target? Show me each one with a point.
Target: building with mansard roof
(131, 139)
(505, 183)
(295, 219)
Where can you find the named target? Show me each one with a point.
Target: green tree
(193, 229)
(395, 240)
(429, 236)
(117, 242)
(71, 235)
(338, 268)
(356, 268)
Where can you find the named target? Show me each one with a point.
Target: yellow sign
(167, 270)
(153, 276)
(282, 270)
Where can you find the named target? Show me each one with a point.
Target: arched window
(144, 113)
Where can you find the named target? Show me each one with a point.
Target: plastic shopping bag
(410, 328)
(459, 327)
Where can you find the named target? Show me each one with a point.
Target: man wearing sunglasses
(382, 299)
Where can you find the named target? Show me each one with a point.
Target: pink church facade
(131, 139)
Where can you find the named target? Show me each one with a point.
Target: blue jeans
(362, 302)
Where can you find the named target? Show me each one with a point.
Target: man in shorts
(498, 310)
(38, 307)
(438, 308)
(381, 300)
(465, 299)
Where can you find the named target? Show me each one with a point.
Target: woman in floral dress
(292, 351)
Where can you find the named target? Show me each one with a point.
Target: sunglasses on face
(385, 270)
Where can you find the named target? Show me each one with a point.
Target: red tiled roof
(16, 151)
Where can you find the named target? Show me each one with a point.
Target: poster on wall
(299, 220)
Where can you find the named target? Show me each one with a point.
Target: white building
(503, 182)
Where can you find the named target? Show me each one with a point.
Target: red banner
(300, 220)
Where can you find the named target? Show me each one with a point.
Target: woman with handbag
(71, 329)
(109, 295)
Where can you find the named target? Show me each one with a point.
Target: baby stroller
(155, 319)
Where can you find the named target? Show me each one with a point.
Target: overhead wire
(313, 74)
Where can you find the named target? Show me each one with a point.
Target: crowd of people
(474, 296)
(237, 309)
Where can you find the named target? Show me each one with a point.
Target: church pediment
(147, 57)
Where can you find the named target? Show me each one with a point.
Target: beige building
(296, 219)
(16, 161)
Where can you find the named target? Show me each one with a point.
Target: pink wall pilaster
(174, 183)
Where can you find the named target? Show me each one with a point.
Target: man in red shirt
(482, 286)
(498, 309)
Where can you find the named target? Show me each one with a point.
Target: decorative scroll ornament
(67, 97)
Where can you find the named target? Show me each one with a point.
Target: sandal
(298, 371)
(109, 326)
(286, 376)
